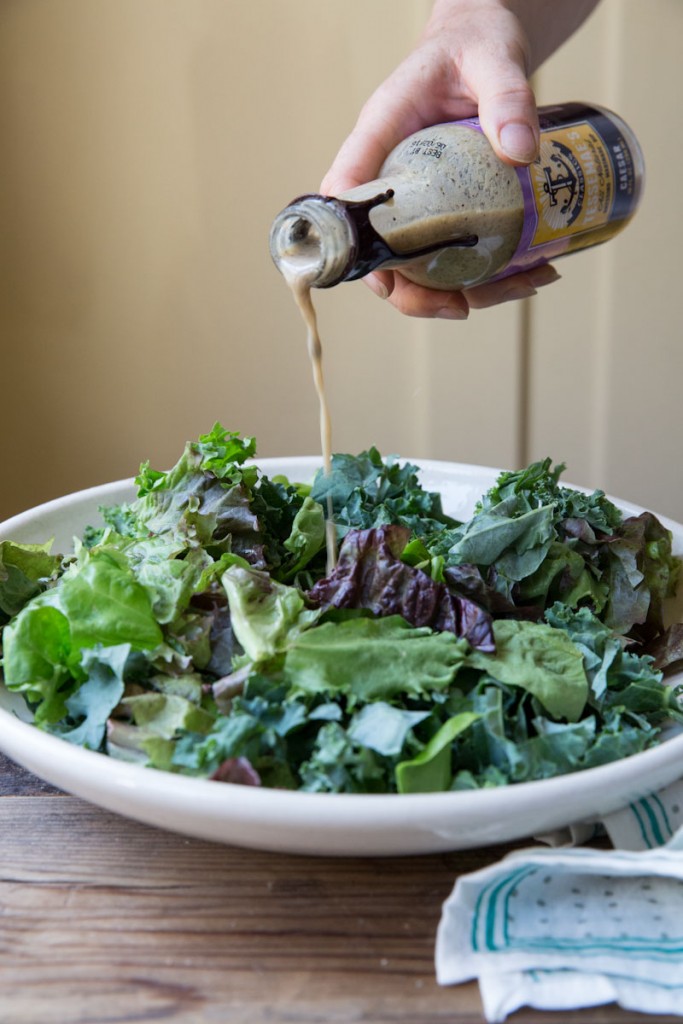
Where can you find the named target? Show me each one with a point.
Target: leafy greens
(198, 631)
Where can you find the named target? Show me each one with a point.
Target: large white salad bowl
(312, 823)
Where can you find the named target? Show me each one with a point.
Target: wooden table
(106, 920)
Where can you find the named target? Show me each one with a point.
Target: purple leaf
(237, 770)
(370, 575)
(667, 648)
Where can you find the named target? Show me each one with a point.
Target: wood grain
(15, 781)
(105, 921)
(97, 910)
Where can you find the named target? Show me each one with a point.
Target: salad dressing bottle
(447, 213)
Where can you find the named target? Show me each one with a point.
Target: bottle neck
(314, 238)
(328, 240)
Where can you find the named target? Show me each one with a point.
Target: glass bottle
(447, 213)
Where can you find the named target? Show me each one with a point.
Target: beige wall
(606, 343)
(147, 146)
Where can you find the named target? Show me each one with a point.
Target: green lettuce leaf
(24, 572)
(541, 660)
(518, 543)
(372, 659)
(105, 604)
(37, 650)
(431, 771)
(266, 616)
(307, 538)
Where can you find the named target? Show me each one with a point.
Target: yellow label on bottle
(583, 188)
(573, 183)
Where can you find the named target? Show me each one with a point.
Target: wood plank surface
(16, 781)
(106, 921)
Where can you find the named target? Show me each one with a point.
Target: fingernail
(541, 276)
(518, 141)
(451, 313)
(377, 286)
(518, 291)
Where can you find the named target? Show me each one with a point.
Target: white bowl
(315, 823)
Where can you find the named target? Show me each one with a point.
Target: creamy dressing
(300, 282)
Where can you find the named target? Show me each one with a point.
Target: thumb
(507, 110)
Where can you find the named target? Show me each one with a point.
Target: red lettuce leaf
(370, 575)
(643, 573)
(667, 648)
(466, 581)
(237, 770)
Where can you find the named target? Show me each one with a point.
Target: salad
(196, 629)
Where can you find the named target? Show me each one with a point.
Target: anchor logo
(564, 183)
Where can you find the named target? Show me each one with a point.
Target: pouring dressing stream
(299, 280)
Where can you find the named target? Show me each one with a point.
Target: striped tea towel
(558, 929)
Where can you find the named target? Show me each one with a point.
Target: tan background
(147, 145)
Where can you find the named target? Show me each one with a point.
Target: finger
(496, 73)
(381, 282)
(510, 289)
(414, 300)
(510, 122)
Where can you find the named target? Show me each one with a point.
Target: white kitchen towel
(557, 929)
(648, 822)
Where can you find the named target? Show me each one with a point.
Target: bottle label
(580, 191)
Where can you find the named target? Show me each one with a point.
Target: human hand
(473, 57)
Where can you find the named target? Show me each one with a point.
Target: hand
(474, 57)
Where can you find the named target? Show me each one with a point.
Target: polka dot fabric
(556, 929)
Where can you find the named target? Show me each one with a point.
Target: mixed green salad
(198, 631)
